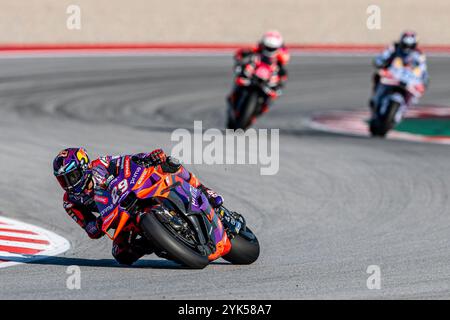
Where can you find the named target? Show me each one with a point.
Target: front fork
(224, 225)
(232, 221)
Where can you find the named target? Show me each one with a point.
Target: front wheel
(247, 111)
(179, 248)
(380, 126)
(230, 123)
(244, 248)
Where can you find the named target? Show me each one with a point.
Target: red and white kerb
(21, 243)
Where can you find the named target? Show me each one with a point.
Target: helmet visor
(269, 52)
(270, 49)
(409, 42)
(70, 179)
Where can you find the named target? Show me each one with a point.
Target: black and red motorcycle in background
(255, 83)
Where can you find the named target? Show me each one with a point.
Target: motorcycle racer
(81, 178)
(407, 50)
(270, 50)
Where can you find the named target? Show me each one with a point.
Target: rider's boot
(264, 108)
(127, 251)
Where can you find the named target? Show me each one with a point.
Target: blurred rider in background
(407, 50)
(270, 50)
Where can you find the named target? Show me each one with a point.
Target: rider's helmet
(70, 168)
(271, 42)
(408, 41)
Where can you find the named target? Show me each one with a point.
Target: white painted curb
(56, 244)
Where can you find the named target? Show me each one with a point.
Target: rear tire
(244, 248)
(165, 241)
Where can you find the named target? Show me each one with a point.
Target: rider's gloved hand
(271, 92)
(215, 199)
(94, 229)
(379, 63)
(157, 157)
(154, 158)
(101, 177)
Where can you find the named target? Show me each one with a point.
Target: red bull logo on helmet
(82, 157)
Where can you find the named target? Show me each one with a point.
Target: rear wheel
(244, 248)
(176, 243)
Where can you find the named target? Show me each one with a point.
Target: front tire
(163, 239)
(230, 123)
(244, 248)
(379, 127)
(249, 111)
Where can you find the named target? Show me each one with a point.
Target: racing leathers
(127, 248)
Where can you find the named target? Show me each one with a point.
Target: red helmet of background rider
(270, 43)
(408, 41)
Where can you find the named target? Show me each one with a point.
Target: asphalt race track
(337, 205)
